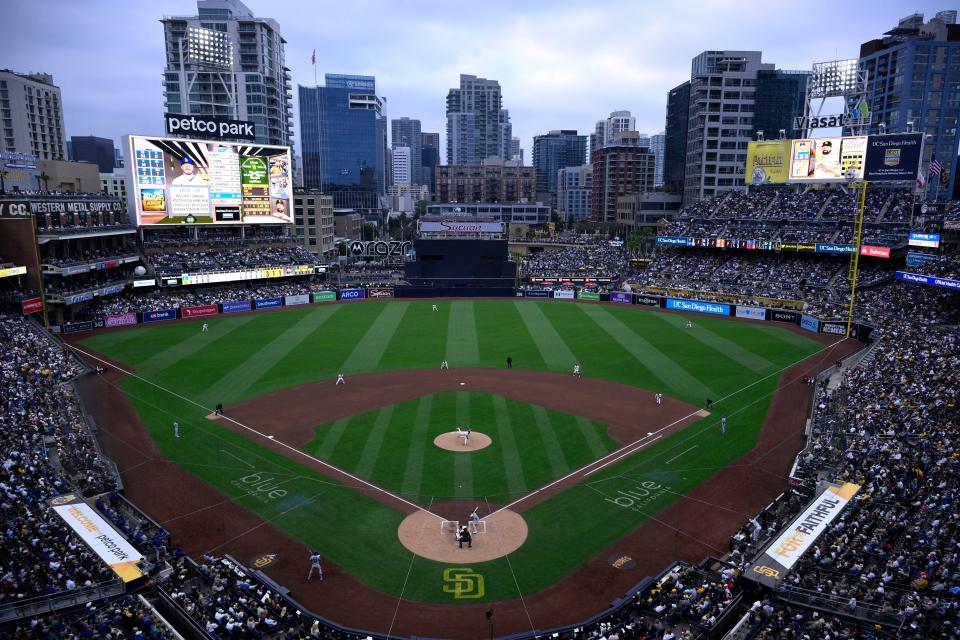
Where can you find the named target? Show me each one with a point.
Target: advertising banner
(675, 240)
(622, 297)
(353, 294)
(157, 316)
(324, 296)
(74, 269)
(292, 301)
(78, 297)
(201, 181)
(794, 246)
(827, 159)
(234, 307)
(754, 313)
(379, 293)
(564, 294)
(874, 252)
(810, 323)
(209, 127)
(771, 567)
(32, 305)
(778, 315)
(893, 158)
(767, 162)
(915, 258)
(588, 295)
(202, 310)
(148, 282)
(536, 293)
(74, 327)
(456, 226)
(649, 301)
(822, 247)
(12, 271)
(714, 308)
(834, 328)
(97, 534)
(120, 320)
(946, 283)
(931, 240)
(269, 303)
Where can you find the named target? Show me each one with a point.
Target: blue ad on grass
(233, 307)
(714, 308)
(810, 323)
(157, 316)
(269, 303)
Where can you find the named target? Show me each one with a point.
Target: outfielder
(576, 370)
(315, 565)
(435, 308)
(176, 429)
(340, 379)
(465, 435)
(205, 328)
(444, 365)
(689, 325)
(723, 424)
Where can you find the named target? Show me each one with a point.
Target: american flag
(935, 167)
(313, 58)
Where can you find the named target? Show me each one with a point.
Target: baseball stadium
(722, 416)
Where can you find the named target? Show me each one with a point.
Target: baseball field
(584, 463)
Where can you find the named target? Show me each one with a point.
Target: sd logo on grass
(463, 583)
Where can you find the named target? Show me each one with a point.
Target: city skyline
(560, 65)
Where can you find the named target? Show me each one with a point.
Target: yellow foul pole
(861, 195)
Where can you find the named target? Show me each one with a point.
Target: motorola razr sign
(208, 128)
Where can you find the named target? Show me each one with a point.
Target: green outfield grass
(245, 356)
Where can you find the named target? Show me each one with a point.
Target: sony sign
(210, 128)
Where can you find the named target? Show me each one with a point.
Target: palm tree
(45, 178)
(3, 182)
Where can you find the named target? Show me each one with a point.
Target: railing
(839, 605)
(40, 605)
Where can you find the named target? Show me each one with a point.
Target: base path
(200, 519)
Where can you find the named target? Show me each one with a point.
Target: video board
(827, 159)
(203, 182)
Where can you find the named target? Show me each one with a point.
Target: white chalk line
(682, 452)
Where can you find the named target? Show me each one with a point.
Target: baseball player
(723, 424)
(689, 325)
(465, 434)
(315, 565)
(176, 429)
(474, 519)
(659, 398)
(464, 536)
(576, 370)
(205, 328)
(340, 379)
(444, 365)
(509, 362)
(435, 308)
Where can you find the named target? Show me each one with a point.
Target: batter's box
(478, 527)
(449, 526)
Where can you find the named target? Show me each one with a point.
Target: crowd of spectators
(598, 260)
(86, 256)
(206, 259)
(120, 619)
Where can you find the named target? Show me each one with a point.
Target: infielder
(444, 365)
(465, 435)
(576, 370)
(723, 424)
(340, 379)
(659, 398)
(205, 328)
(315, 565)
(176, 429)
(474, 520)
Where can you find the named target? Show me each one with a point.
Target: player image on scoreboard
(180, 181)
(827, 159)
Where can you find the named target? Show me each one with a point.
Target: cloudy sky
(561, 64)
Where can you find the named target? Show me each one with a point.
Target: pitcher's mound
(425, 534)
(453, 442)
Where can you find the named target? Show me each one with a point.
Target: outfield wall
(814, 325)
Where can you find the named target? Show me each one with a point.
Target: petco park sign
(212, 128)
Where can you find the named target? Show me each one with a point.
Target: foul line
(259, 433)
(632, 447)
(249, 466)
(681, 453)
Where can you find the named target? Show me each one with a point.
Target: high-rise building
(343, 139)
(405, 132)
(31, 112)
(429, 159)
(913, 76)
(727, 91)
(313, 221)
(496, 181)
(516, 153)
(93, 149)
(478, 127)
(574, 192)
(657, 143)
(675, 142)
(402, 166)
(621, 167)
(554, 151)
(608, 128)
(224, 62)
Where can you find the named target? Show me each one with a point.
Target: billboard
(234, 307)
(931, 240)
(380, 293)
(893, 158)
(872, 251)
(714, 308)
(269, 303)
(323, 296)
(460, 226)
(588, 295)
(291, 301)
(784, 316)
(623, 297)
(827, 159)
(649, 301)
(754, 313)
(157, 316)
(767, 162)
(564, 294)
(99, 536)
(933, 281)
(179, 181)
(209, 127)
(772, 566)
(810, 323)
(202, 310)
(120, 320)
(353, 294)
(31, 305)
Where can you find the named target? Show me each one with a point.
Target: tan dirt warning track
(201, 519)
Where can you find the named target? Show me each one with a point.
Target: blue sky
(561, 64)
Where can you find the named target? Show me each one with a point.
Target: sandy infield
(453, 442)
(420, 532)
